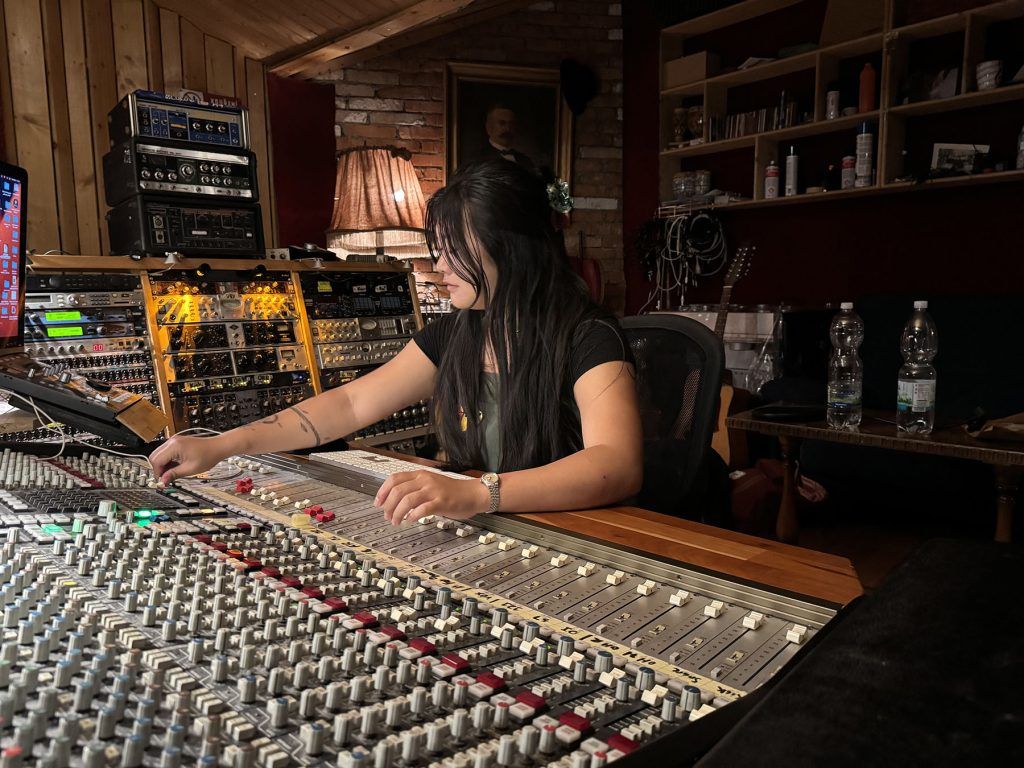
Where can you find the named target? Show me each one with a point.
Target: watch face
(490, 478)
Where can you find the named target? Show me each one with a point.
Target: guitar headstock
(740, 264)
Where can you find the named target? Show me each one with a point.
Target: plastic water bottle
(915, 399)
(845, 370)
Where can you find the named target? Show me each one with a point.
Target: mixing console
(232, 347)
(264, 615)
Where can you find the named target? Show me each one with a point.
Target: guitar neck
(723, 312)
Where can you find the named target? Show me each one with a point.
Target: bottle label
(916, 396)
(844, 395)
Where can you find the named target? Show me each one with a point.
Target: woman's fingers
(409, 503)
(393, 480)
(395, 496)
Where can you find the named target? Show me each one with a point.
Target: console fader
(232, 346)
(360, 320)
(263, 616)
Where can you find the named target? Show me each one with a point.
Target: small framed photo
(957, 158)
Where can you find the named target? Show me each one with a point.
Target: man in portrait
(500, 125)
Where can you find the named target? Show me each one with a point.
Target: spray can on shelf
(771, 180)
(849, 172)
(865, 163)
(792, 169)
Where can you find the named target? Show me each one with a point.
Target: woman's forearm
(308, 424)
(594, 477)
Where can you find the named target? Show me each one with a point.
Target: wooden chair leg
(1007, 485)
(787, 528)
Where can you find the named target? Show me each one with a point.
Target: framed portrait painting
(513, 112)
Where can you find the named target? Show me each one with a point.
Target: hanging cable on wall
(676, 251)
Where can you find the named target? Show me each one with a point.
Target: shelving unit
(901, 130)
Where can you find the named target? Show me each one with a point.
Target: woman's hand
(186, 456)
(408, 496)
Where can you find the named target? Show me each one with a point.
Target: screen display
(62, 316)
(12, 229)
(60, 331)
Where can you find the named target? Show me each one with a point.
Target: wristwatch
(493, 484)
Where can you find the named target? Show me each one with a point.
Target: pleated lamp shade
(378, 204)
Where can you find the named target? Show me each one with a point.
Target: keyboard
(375, 467)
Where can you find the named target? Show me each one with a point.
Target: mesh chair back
(679, 364)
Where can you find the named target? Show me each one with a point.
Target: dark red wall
(302, 140)
(930, 241)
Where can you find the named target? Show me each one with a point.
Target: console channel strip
(92, 324)
(359, 320)
(232, 347)
(206, 625)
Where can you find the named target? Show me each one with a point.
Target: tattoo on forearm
(306, 423)
(273, 419)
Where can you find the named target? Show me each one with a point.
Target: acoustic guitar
(727, 445)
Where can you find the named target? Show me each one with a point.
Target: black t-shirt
(595, 342)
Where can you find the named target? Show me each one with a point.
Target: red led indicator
(97, 347)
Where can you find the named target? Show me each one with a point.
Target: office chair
(679, 364)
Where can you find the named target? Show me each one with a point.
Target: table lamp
(378, 205)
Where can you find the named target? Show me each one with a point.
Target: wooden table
(878, 430)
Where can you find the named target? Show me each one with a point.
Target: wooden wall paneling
(129, 46)
(170, 50)
(241, 92)
(220, 67)
(60, 127)
(154, 60)
(99, 50)
(193, 56)
(8, 137)
(77, 81)
(255, 76)
(32, 120)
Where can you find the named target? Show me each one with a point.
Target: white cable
(66, 438)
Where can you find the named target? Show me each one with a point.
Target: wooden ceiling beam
(308, 58)
(479, 12)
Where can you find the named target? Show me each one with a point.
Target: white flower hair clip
(558, 196)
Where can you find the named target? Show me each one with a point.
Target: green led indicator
(62, 317)
(65, 330)
(143, 514)
(51, 528)
(143, 523)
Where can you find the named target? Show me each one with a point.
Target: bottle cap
(920, 305)
(846, 305)
(792, 150)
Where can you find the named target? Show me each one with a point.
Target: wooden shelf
(816, 128)
(779, 67)
(874, 191)
(940, 25)
(750, 9)
(971, 100)
(893, 44)
(978, 179)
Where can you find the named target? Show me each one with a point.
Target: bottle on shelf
(915, 399)
(864, 169)
(771, 180)
(1020, 150)
(866, 96)
(845, 370)
(792, 170)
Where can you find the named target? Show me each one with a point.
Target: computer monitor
(13, 191)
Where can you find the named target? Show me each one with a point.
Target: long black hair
(530, 319)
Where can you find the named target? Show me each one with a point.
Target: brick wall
(398, 99)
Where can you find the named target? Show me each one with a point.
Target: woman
(529, 378)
